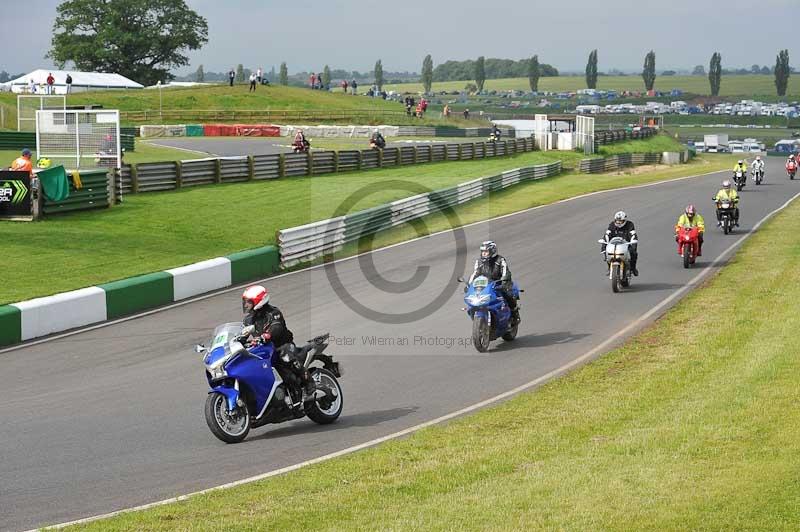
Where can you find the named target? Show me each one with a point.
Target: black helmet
(488, 250)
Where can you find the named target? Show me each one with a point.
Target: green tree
(326, 77)
(782, 72)
(534, 73)
(379, 74)
(649, 71)
(427, 73)
(272, 76)
(4, 77)
(240, 77)
(480, 72)
(139, 39)
(591, 70)
(284, 75)
(715, 73)
(200, 75)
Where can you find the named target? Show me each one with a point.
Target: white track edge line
(343, 259)
(535, 382)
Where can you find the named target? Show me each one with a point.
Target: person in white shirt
(252, 83)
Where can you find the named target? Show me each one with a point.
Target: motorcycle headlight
(478, 300)
(217, 372)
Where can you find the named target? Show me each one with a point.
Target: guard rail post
(380, 158)
(251, 167)
(310, 164)
(360, 159)
(134, 178)
(416, 155)
(336, 161)
(460, 152)
(178, 175)
(217, 171)
(281, 165)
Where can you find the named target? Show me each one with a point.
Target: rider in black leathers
(270, 325)
(495, 268)
(624, 228)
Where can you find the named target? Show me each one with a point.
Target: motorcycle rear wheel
(480, 334)
(226, 427)
(510, 334)
(315, 412)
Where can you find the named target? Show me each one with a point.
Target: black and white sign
(15, 194)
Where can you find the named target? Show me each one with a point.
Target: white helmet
(741, 161)
(758, 157)
(620, 218)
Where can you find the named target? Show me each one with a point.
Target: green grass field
(691, 425)
(153, 231)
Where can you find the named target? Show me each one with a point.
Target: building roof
(79, 79)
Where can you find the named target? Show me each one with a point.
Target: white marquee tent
(81, 81)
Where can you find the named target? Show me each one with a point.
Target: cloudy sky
(352, 34)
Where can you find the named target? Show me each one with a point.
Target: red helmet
(256, 295)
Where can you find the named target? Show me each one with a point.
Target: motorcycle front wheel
(325, 408)
(480, 334)
(228, 427)
(687, 256)
(616, 282)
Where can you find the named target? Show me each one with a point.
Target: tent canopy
(80, 81)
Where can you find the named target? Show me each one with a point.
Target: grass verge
(657, 144)
(690, 425)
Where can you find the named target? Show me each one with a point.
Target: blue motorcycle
(248, 392)
(489, 312)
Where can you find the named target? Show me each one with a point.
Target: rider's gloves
(266, 337)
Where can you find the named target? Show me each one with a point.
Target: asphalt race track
(238, 146)
(112, 418)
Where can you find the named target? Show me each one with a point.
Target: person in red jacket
(50, 82)
(791, 165)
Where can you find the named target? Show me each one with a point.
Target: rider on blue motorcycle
(271, 326)
(495, 268)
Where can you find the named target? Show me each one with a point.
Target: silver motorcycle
(618, 258)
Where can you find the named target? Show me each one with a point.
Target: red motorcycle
(688, 244)
(790, 170)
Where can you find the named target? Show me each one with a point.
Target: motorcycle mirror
(199, 348)
(460, 279)
(601, 241)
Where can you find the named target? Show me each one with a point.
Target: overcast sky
(353, 34)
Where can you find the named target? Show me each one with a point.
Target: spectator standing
(23, 162)
(69, 84)
(259, 74)
(252, 82)
(466, 114)
(312, 80)
(355, 86)
(31, 87)
(50, 82)
(446, 111)
(232, 76)
(344, 86)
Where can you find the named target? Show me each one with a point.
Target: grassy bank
(748, 86)
(223, 97)
(657, 144)
(692, 425)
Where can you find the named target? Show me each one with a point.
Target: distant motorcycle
(791, 170)
(301, 146)
(618, 258)
(377, 144)
(688, 244)
(758, 175)
(490, 314)
(726, 211)
(740, 179)
(247, 391)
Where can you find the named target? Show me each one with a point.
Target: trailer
(717, 143)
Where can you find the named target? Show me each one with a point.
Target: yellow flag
(76, 180)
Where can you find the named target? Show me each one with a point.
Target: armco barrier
(615, 162)
(60, 312)
(150, 177)
(310, 241)
(94, 194)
